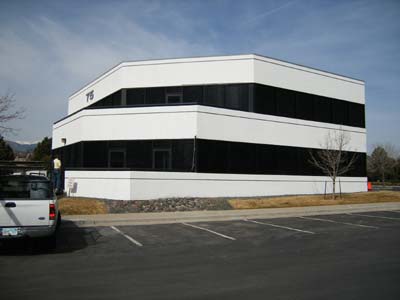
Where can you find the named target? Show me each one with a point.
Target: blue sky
(49, 49)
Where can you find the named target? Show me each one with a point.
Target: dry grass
(82, 206)
(314, 200)
(88, 206)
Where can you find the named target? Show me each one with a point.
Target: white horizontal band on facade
(143, 185)
(217, 58)
(219, 70)
(205, 179)
(186, 122)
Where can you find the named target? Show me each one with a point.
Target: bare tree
(382, 161)
(392, 150)
(333, 159)
(8, 112)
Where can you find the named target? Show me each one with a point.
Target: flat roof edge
(210, 58)
(267, 58)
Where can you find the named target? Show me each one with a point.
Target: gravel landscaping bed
(89, 206)
(169, 204)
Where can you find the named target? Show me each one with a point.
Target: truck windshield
(25, 189)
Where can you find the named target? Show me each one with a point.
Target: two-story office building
(240, 125)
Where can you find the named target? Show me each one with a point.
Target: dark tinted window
(322, 109)
(107, 101)
(266, 162)
(182, 155)
(173, 94)
(135, 96)
(287, 160)
(304, 106)
(117, 158)
(174, 98)
(340, 112)
(264, 100)
(356, 115)
(161, 159)
(116, 99)
(304, 166)
(193, 94)
(74, 156)
(285, 103)
(212, 156)
(237, 96)
(360, 167)
(214, 95)
(99, 103)
(95, 154)
(241, 158)
(155, 95)
(248, 97)
(139, 154)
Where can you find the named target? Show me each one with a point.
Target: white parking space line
(279, 226)
(345, 223)
(211, 231)
(370, 216)
(127, 236)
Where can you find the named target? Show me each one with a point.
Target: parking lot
(344, 256)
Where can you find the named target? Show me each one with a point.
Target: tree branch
(8, 112)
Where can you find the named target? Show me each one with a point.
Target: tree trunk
(333, 188)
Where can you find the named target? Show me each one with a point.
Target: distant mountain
(22, 146)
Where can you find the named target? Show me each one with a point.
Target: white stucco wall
(99, 184)
(188, 121)
(134, 123)
(170, 72)
(307, 80)
(218, 70)
(135, 185)
(230, 125)
(180, 122)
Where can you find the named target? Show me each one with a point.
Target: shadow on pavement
(69, 238)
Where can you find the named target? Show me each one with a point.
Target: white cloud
(44, 60)
(254, 19)
(46, 56)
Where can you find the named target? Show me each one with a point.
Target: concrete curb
(222, 215)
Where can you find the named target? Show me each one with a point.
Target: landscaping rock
(168, 204)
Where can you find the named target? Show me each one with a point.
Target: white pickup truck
(28, 208)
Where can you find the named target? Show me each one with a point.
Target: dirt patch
(314, 200)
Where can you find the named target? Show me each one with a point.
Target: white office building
(240, 125)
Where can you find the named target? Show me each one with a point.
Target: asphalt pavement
(323, 256)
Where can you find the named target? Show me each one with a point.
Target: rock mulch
(167, 205)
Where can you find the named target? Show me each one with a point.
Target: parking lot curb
(222, 215)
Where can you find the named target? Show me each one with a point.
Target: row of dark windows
(199, 155)
(252, 97)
